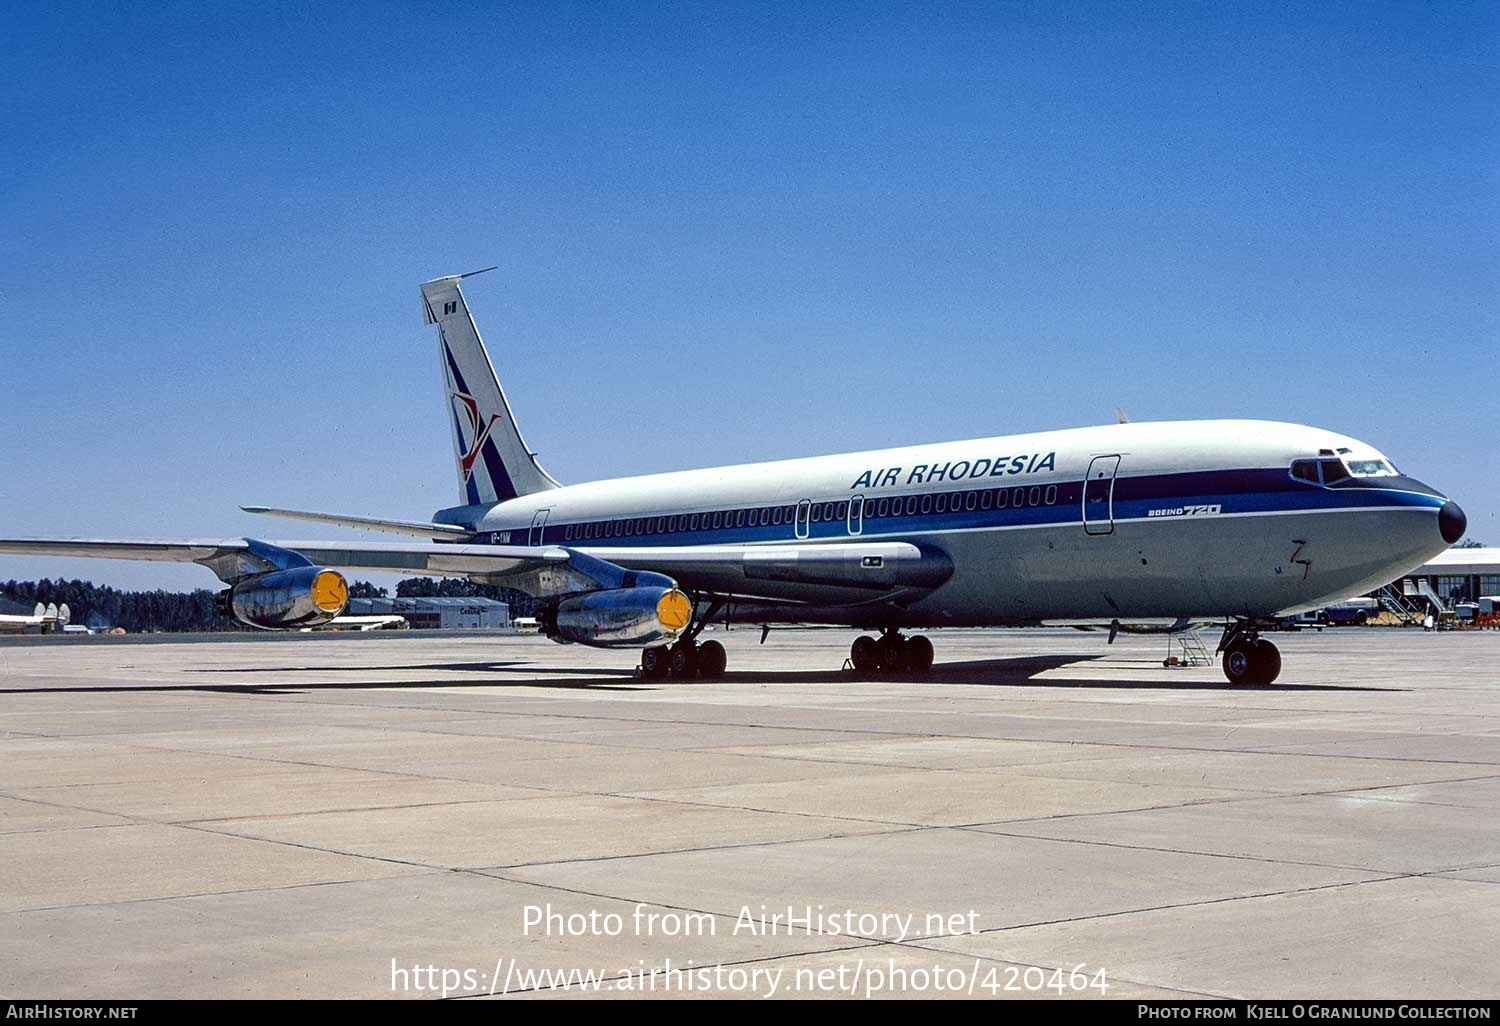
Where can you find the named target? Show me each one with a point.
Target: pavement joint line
(498, 870)
(944, 826)
(795, 758)
(195, 895)
(1443, 874)
(199, 827)
(1295, 794)
(1206, 854)
(270, 760)
(1202, 903)
(1247, 796)
(1256, 749)
(652, 797)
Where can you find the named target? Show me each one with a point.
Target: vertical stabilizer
(494, 463)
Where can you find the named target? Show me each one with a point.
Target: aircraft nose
(1451, 522)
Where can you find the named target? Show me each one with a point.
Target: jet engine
(619, 617)
(304, 596)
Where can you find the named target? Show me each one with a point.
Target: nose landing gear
(1248, 658)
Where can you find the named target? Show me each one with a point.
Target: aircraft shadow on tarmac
(1020, 671)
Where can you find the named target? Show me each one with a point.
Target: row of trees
(145, 611)
(136, 611)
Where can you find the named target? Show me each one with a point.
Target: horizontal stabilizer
(420, 528)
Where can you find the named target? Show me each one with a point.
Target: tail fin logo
(481, 435)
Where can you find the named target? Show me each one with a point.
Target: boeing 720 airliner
(1126, 525)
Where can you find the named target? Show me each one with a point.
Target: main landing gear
(1248, 658)
(686, 659)
(892, 652)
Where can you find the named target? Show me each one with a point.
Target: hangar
(1448, 579)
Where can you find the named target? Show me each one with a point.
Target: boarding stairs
(1398, 605)
(1426, 592)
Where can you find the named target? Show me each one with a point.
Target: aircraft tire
(1267, 660)
(683, 658)
(918, 654)
(892, 649)
(711, 660)
(865, 654)
(654, 662)
(1240, 663)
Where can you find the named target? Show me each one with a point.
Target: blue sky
(725, 232)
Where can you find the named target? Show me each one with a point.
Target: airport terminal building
(436, 613)
(1458, 575)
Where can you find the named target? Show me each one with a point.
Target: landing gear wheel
(683, 658)
(1268, 661)
(918, 654)
(892, 649)
(654, 663)
(865, 654)
(1252, 661)
(1240, 662)
(711, 660)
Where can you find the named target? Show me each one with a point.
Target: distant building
(1458, 575)
(436, 613)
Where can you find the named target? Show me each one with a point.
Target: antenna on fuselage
(1120, 417)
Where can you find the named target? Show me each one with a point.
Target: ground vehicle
(1351, 611)
(1315, 619)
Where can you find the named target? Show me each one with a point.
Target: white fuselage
(1127, 521)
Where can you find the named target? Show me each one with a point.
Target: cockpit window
(1370, 468)
(1305, 470)
(1333, 471)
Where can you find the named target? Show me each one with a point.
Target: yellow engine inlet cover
(330, 591)
(674, 610)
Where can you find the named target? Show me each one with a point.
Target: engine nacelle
(304, 596)
(620, 617)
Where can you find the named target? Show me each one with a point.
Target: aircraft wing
(234, 558)
(828, 573)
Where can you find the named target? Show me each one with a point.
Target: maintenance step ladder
(1187, 649)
